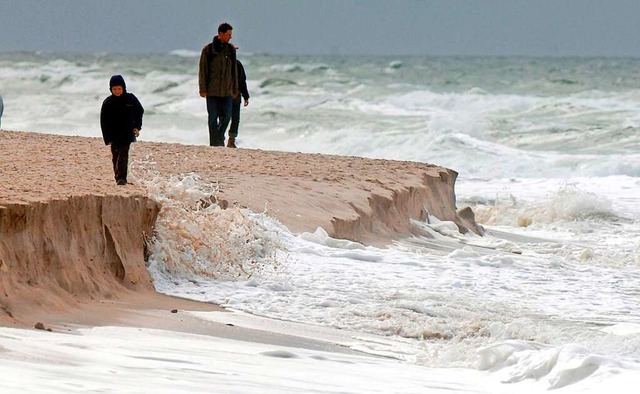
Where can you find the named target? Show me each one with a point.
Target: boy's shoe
(231, 143)
(121, 182)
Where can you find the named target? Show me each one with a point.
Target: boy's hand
(136, 132)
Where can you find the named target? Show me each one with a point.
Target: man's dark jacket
(218, 74)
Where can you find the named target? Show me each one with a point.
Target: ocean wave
(298, 68)
(184, 53)
(567, 204)
(270, 82)
(166, 87)
(518, 132)
(556, 366)
(198, 236)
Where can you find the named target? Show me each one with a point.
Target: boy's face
(117, 90)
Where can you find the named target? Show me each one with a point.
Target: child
(121, 121)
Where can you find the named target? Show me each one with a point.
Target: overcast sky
(430, 27)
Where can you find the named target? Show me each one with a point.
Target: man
(235, 113)
(218, 82)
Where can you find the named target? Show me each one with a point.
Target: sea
(548, 156)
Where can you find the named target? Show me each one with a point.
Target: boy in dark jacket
(121, 121)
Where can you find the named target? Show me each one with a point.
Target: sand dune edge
(69, 235)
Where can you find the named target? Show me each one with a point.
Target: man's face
(225, 37)
(117, 90)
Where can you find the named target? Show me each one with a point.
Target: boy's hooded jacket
(120, 115)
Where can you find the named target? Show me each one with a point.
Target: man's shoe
(231, 143)
(122, 182)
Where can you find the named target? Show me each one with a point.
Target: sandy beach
(73, 242)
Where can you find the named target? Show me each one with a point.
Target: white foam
(133, 360)
(557, 366)
(196, 238)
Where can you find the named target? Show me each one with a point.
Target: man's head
(225, 31)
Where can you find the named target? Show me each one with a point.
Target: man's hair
(224, 27)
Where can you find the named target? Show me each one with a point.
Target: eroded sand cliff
(69, 234)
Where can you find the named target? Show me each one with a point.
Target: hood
(117, 80)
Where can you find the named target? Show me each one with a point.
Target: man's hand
(136, 132)
(203, 94)
(246, 102)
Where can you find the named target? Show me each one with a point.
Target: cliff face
(56, 253)
(388, 211)
(68, 233)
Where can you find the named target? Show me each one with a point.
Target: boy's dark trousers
(120, 156)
